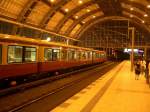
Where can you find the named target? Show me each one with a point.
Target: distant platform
(116, 91)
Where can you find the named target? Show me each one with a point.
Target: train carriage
(25, 57)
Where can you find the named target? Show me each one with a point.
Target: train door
(0, 54)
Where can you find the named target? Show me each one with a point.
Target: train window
(15, 54)
(94, 55)
(83, 55)
(77, 55)
(86, 55)
(71, 55)
(30, 54)
(0, 54)
(102, 55)
(64, 54)
(48, 54)
(56, 54)
(89, 55)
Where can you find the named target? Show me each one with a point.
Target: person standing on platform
(142, 67)
(147, 72)
(148, 75)
(137, 70)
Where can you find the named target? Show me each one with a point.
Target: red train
(21, 58)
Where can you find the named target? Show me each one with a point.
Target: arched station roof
(71, 18)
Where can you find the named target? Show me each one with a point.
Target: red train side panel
(50, 66)
(18, 69)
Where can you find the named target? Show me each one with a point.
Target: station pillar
(132, 48)
(145, 53)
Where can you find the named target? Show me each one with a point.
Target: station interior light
(66, 10)
(48, 39)
(126, 50)
(52, 1)
(148, 6)
(80, 1)
(145, 15)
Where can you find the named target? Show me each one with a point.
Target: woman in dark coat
(137, 70)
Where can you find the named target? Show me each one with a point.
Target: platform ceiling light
(66, 10)
(131, 9)
(88, 10)
(48, 39)
(94, 16)
(83, 22)
(131, 16)
(148, 6)
(143, 21)
(52, 1)
(76, 17)
(80, 1)
(145, 15)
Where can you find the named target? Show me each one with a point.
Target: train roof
(24, 40)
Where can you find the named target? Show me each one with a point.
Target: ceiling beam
(51, 12)
(110, 7)
(137, 5)
(102, 19)
(27, 10)
(91, 13)
(80, 19)
(69, 14)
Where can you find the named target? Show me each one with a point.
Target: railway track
(95, 69)
(32, 84)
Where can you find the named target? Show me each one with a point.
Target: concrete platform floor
(116, 91)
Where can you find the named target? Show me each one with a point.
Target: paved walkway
(116, 91)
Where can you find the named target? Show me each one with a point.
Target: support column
(145, 53)
(147, 65)
(132, 47)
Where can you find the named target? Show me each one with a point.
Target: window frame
(8, 54)
(64, 54)
(71, 54)
(51, 54)
(23, 54)
(24, 51)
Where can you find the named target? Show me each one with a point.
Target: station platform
(116, 91)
